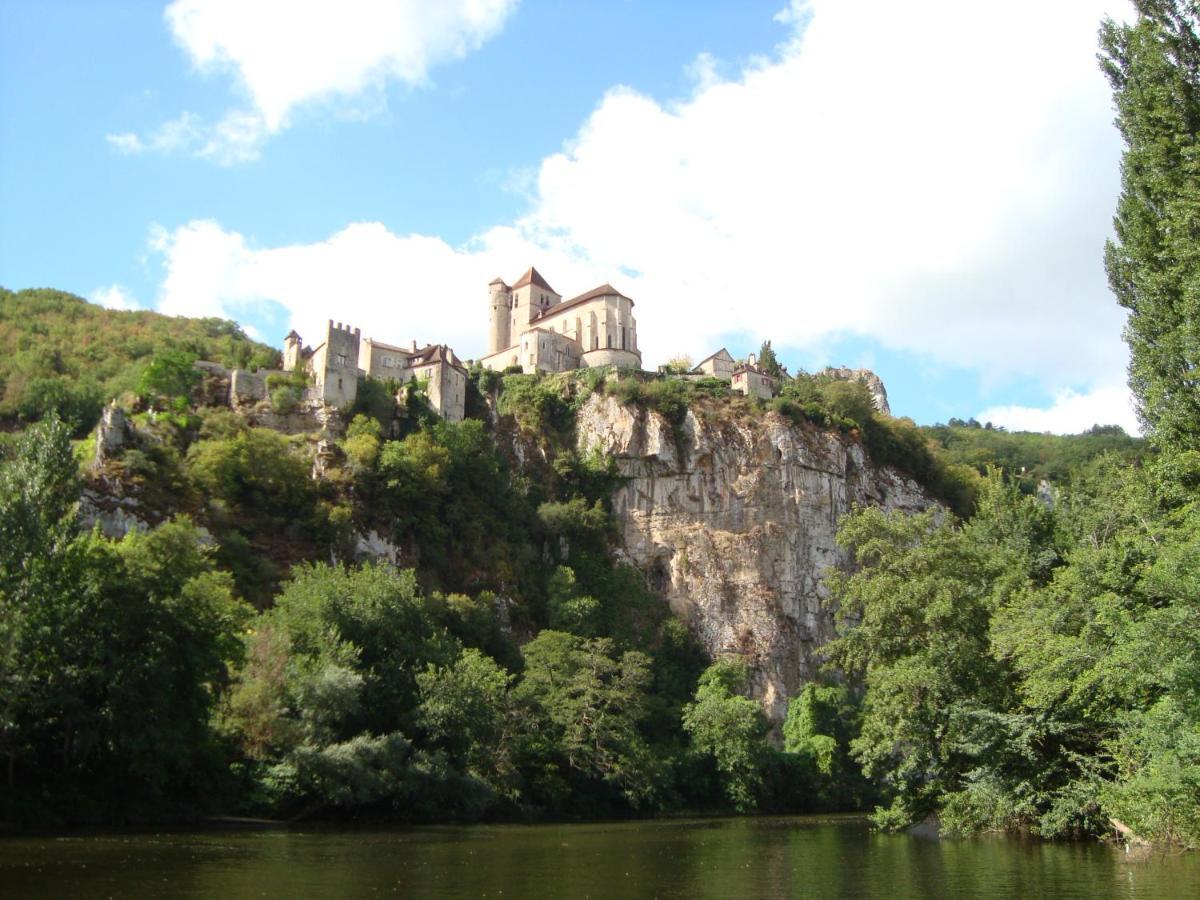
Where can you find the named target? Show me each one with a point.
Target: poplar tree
(1153, 264)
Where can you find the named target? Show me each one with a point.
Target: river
(695, 858)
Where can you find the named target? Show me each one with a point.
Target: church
(532, 327)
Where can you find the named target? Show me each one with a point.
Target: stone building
(720, 365)
(333, 363)
(336, 365)
(531, 326)
(752, 381)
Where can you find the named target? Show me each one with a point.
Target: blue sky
(924, 191)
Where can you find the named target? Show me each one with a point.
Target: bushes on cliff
(255, 473)
(448, 492)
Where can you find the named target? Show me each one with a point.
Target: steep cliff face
(734, 521)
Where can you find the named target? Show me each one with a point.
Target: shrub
(285, 400)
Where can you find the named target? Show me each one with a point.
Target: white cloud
(286, 54)
(1071, 412)
(115, 296)
(396, 287)
(234, 139)
(940, 180)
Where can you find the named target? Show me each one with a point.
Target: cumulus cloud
(115, 296)
(284, 55)
(938, 177)
(1071, 412)
(396, 287)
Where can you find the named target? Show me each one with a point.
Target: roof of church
(534, 277)
(605, 290)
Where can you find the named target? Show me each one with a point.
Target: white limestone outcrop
(736, 524)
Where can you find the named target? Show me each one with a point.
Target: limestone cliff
(733, 521)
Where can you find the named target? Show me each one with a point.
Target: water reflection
(715, 858)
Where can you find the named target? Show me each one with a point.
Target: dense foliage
(1028, 458)
(61, 353)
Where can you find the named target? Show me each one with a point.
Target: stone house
(752, 381)
(531, 326)
(720, 365)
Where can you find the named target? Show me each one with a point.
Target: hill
(1028, 457)
(57, 351)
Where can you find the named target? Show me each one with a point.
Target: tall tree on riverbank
(1153, 265)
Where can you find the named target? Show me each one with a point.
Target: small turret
(292, 345)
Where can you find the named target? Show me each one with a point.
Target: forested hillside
(1029, 457)
(59, 352)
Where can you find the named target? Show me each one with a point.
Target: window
(387, 362)
(341, 359)
(610, 342)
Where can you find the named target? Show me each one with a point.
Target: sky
(923, 189)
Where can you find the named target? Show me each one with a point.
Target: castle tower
(500, 305)
(337, 374)
(531, 296)
(291, 351)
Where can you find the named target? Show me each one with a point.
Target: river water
(699, 858)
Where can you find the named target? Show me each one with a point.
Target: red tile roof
(433, 353)
(534, 277)
(605, 290)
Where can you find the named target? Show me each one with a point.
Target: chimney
(414, 346)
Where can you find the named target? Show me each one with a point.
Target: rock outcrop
(112, 434)
(873, 382)
(733, 521)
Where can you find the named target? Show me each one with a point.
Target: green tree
(767, 360)
(329, 692)
(731, 728)
(915, 620)
(591, 701)
(1153, 265)
(168, 380)
(466, 709)
(112, 654)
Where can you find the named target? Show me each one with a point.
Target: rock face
(735, 525)
(112, 433)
